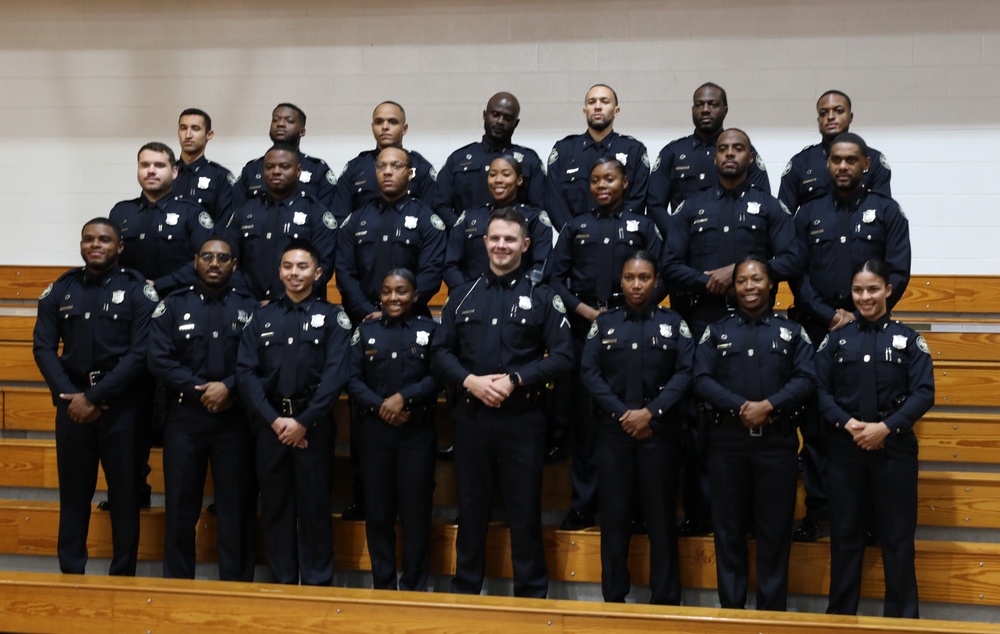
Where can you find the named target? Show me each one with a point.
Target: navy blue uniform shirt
(650, 349)
(101, 322)
(260, 230)
(741, 359)
(317, 179)
(462, 180)
(807, 177)
(320, 349)
(898, 363)
(686, 166)
(382, 236)
(836, 234)
(207, 184)
(357, 185)
(573, 158)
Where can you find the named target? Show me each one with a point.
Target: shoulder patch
(657, 231)
(460, 219)
(676, 210)
(684, 330)
(788, 168)
(150, 293)
(433, 173)
(437, 222)
(553, 156)
(348, 218)
(232, 178)
(45, 293)
(344, 321)
(356, 337)
(331, 177)
(785, 208)
(594, 329)
(656, 164)
(922, 344)
(160, 309)
(900, 207)
(884, 161)
(329, 221)
(823, 343)
(557, 303)
(706, 335)
(645, 159)
(804, 335)
(760, 163)
(205, 220)
(543, 217)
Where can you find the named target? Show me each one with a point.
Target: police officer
(161, 233)
(99, 313)
(462, 180)
(836, 233)
(585, 268)
(707, 234)
(465, 257)
(573, 158)
(395, 393)
(491, 349)
(357, 184)
(876, 381)
(637, 367)
(262, 228)
(394, 231)
(288, 125)
(193, 339)
(687, 165)
(290, 369)
(806, 177)
(198, 179)
(753, 369)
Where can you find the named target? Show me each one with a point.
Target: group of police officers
(533, 255)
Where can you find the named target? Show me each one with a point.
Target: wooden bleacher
(959, 316)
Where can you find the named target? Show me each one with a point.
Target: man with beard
(687, 165)
(708, 234)
(99, 313)
(198, 179)
(193, 338)
(261, 228)
(462, 180)
(288, 125)
(357, 185)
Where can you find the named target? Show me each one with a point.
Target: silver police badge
(317, 321)
(785, 334)
(666, 330)
(305, 176)
(117, 297)
(204, 182)
(242, 316)
(753, 208)
(524, 302)
(519, 157)
(423, 337)
(410, 222)
(298, 218)
(622, 158)
(172, 218)
(899, 342)
(632, 225)
(868, 216)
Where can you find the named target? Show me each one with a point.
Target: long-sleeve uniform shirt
(837, 234)
(357, 185)
(462, 179)
(687, 166)
(807, 177)
(317, 180)
(207, 184)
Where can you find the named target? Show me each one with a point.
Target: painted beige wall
(84, 83)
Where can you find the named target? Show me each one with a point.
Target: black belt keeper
(289, 407)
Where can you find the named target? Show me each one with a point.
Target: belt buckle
(756, 432)
(286, 407)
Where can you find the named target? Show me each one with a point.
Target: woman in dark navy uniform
(637, 366)
(754, 370)
(875, 381)
(465, 257)
(392, 386)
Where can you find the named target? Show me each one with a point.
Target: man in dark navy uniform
(288, 125)
(462, 180)
(806, 177)
(161, 233)
(292, 365)
(572, 159)
(198, 179)
(687, 165)
(491, 349)
(357, 185)
(99, 313)
(193, 338)
(261, 228)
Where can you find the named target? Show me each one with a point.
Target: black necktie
(289, 358)
(394, 359)
(751, 362)
(845, 261)
(493, 320)
(633, 370)
(383, 251)
(727, 231)
(869, 389)
(92, 294)
(269, 247)
(217, 332)
(605, 259)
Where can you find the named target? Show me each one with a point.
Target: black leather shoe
(691, 528)
(447, 454)
(354, 513)
(576, 521)
(555, 453)
(811, 530)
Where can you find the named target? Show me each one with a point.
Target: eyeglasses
(221, 258)
(396, 166)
